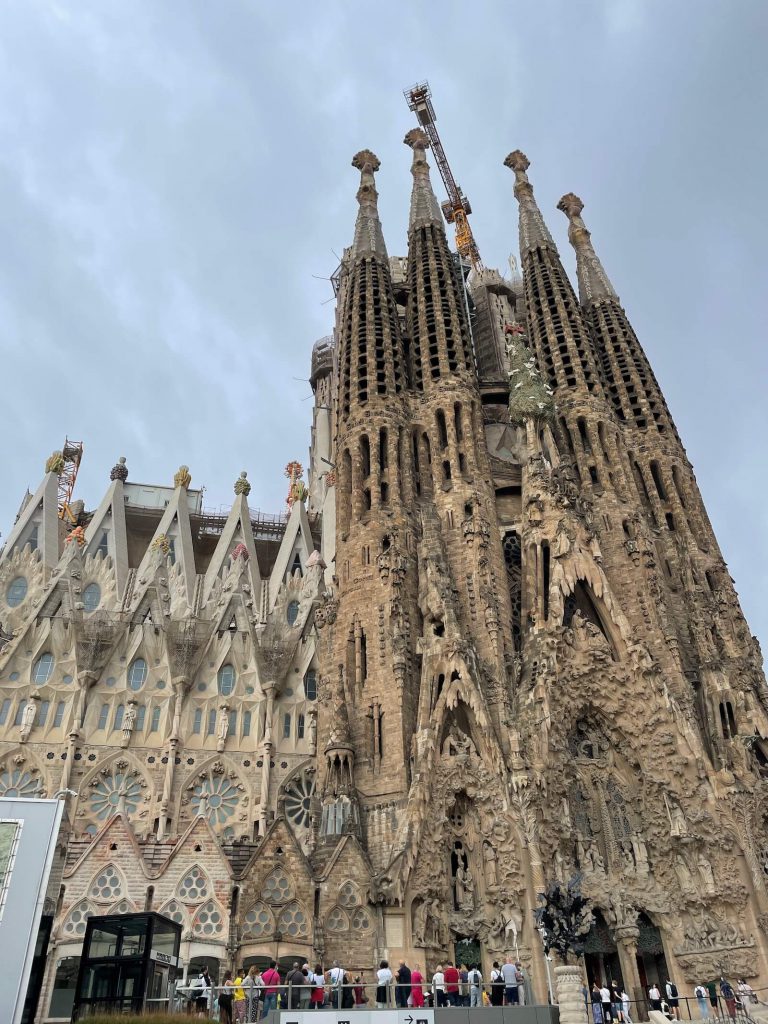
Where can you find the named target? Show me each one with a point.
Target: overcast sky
(175, 179)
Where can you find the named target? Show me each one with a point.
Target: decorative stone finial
(297, 489)
(241, 484)
(182, 478)
(594, 284)
(417, 138)
(239, 551)
(366, 160)
(571, 205)
(517, 161)
(55, 463)
(161, 543)
(77, 535)
(533, 230)
(120, 471)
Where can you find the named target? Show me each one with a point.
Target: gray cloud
(173, 174)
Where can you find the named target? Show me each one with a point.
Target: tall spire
(533, 230)
(369, 239)
(558, 330)
(425, 208)
(594, 285)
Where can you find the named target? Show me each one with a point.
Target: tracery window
(175, 911)
(106, 886)
(293, 921)
(78, 918)
(226, 680)
(292, 612)
(16, 592)
(209, 919)
(361, 920)
(337, 921)
(258, 921)
(277, 887)
(43, 668)
(194, 887)
(349, 895)
(91, 597)
(137, 674)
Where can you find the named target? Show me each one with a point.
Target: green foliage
(565, 918)
(529, 396)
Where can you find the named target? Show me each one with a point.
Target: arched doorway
(651, 962)
(467, 951)
(601, 957)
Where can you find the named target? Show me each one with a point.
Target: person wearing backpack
(497, 985)
(673, 1000)
(475, 987)
(701, 998)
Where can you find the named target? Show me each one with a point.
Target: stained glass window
(293, 921)
(298, 798)
(222, 795)
(18, 783)
(16, 592)
(209, 919)
(43, 668)
(106, 886)
(194, 886)
(259, 921)
(277, 887)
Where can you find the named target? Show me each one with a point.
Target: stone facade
(493, 642)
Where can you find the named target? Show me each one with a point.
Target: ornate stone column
(626, 944)
(568, 983)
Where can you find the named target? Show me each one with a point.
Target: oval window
(226, 680)
(16, 592)
(310, 684)
(91, 597)
(292, 612)
(137, 673)
(41, 673)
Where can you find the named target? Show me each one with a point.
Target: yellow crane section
(456, 208)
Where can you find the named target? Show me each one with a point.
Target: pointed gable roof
(297, 529)
(237, 529)
(176, 513)
(110, 515)
(43, 508)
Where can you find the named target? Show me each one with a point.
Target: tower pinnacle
(368, 234)
(533, 230)
(425, 208)
(593, 280)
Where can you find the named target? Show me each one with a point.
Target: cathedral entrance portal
(467, 951)
(601, 957)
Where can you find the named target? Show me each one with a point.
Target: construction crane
(456, 208)
(71, 453)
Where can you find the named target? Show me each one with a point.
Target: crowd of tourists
(610, 1004)
(245, 997)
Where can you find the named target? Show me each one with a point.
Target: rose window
(337, 921)
(106, 886)
(222, 796)
(298, 798)
(293, 921)
(108, 790)
(259, 921)
(18, 783)
(75, 923)
(193, 887)
(209, 920)
(360, 920)
(348, 896)
(277, 887)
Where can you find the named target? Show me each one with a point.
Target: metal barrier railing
(365, 994)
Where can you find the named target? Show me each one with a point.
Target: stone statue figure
(420, 924)
(490, 862)
(641, 854)
(28, 718)
(707, 874)
(129, 720)
(677, 823)
(223, 730)
(683, 873)
(465, 899)
(312, 732)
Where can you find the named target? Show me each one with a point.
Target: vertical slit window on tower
(656, 474)
(287, 726)
(365, 456)
(383, 449)
(545, 564)
(457, 424)
(442, 430)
